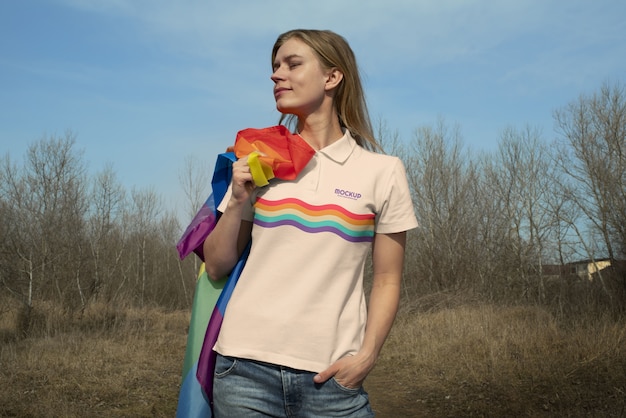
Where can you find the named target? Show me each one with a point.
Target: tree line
(72, 239)
(493, 223)
(490, 222)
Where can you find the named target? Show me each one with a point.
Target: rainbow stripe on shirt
(352, 227)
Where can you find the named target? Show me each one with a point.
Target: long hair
(334, 51)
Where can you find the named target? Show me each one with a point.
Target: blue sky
(143, 84)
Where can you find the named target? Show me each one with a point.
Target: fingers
(346, 372)
(242, 180)
(322, 377)
(241, 171)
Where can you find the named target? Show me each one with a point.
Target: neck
(320, 133)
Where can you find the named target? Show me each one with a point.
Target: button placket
(313, 174)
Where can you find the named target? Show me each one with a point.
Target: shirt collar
(340, 150)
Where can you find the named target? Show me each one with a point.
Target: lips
(279, 90)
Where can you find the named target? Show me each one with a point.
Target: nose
(277, 75)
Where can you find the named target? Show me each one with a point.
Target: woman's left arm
(388, 260)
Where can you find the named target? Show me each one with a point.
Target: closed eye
(292, 61)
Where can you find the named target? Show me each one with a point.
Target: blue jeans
(245, 388)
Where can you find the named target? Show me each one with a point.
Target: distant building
(585, 269)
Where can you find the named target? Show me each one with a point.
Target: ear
(333, 78)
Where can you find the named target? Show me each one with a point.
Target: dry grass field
(483, 361)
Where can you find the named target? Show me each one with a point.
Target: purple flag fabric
(206, 218)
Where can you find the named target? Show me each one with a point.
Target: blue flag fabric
(193, 400)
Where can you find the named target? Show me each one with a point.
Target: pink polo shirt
(299, 301)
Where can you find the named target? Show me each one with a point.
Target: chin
(285, 110)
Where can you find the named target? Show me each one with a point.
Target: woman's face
(300, 82)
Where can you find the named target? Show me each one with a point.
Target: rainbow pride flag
(193, 399)
(272, 153)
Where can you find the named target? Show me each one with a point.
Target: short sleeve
(397, 213)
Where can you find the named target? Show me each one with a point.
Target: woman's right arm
(224, 245)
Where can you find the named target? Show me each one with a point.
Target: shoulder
(377, 161)
(352, 156)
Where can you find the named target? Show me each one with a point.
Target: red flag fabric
(276, 148)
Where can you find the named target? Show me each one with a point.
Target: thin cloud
(395, 33)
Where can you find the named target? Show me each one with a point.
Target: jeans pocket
(224, 365)
(345, 388)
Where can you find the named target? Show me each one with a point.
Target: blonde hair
(334, 51)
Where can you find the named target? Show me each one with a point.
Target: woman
(297, 338)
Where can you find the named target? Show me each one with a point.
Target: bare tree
(389, 140)
(168, 290)
(146, 206)
(45, 202)
(444, 182)
(69, 241)
(14, 237)
(593, 154)
(195, 180)
(106, 231)
(521, 178)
